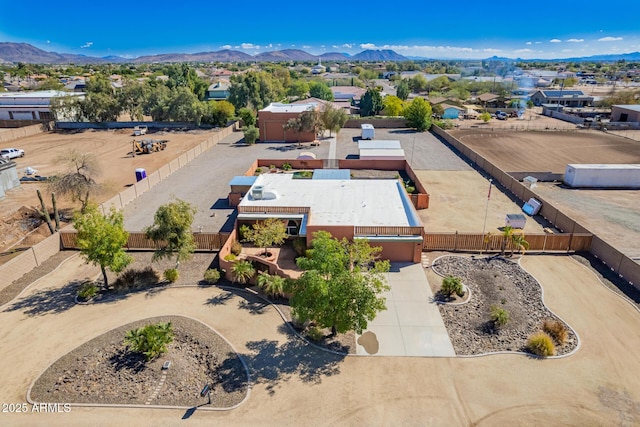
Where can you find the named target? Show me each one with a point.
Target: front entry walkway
(411, 325)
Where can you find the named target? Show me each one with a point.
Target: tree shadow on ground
(48, 301)
(271, 363)
(253, 307)
(220, 299)
(125, 359)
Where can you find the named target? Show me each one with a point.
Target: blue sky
(457, 29)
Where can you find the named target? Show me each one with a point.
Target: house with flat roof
(218, 91)
(272, 119)
(568, 98)
(34, 106)
(379, 210)
(625, 113)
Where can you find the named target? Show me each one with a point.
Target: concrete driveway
(411, 325)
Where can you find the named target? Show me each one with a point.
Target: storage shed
(602, 175)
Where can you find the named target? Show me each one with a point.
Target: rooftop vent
(257, 192)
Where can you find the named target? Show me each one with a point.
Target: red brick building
(271, 121)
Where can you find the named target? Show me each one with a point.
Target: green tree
(79, 179)
(151, 340)
(157, 104)
(242, 271)
(251, 134)
(320, 90)
(418, 83)
(247, 116)
(66, 108)
(370, 103)
(270, 232)
(402, 90)
(393, 106)
(184, 106)
(132, 98)
(100, 107)
(438, 110)
(298, 88)
(418, 114)
(101, 240)
(254, 89)
(50, 84)
(507, 235)
(485, 117)
(307, 122)
(333, 118)
(172, 229)
(218, 113)
(341, 284)
(518, 240)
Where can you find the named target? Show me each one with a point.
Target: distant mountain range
(24, 52)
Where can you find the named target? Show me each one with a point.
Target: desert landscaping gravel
(494, 281)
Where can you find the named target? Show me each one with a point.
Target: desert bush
(286, 167)
(151, 340)
(230, 257)
(541, 344)
(212, 276)
(171, 275)
(315, 334)
(258, 171)
(88, 290)
(556, 330)
(135, 279)
(236, 248)
(451, 285)
(499, 315)
(243, 232)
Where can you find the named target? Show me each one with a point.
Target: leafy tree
(218, 113)
(393, 106)
(272, 231)
(438, 110)
(132, 98)
(418, 114)
(157, 104)
(172, 228)
(151, 340)
(242, 271)
(307, 122)
(50, 84)
(66, 108)
(402, 90)
(485, 117)
(100, 107)
(251, 134)
(341, 284)
(418, 83)
(256, 89)
(370, 103)
(79, 179)
(298, 88)
(247, 116)
(101, 240)
(333, 118)
(184, 106)
(507, 235)
(320, 90)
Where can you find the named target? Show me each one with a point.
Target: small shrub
(306, 174)
(243, 232)
(541, 344)
(87, 290)
(211, 276)
(556, 330)
(151, 340)
(286, 167)
(258, 171)
(315, 334)
(272, 167)
(451, 285)
(236, 248)
(230, 257)
(499, 316)
(135, 279)
(171, 274)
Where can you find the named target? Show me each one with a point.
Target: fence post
(571, 238)
(455, 242)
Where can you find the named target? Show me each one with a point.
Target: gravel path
(497, 282)
(102, 371)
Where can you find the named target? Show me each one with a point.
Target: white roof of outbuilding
(379, 144)
(381, 153)
(277, 107)
(357, 202)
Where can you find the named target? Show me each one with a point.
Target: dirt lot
(113, 150)
(611, 214)
(548, 151)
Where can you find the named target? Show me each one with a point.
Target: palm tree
(519, 242)
(242, 271)
(507, 235)
(271, 285)
(151, 340)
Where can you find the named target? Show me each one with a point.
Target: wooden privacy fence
(540, 242)
(138, 242)
(387, 231)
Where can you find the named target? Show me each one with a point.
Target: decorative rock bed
(495, 281)
(102, 371)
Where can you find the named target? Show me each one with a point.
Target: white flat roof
(38, 94)
(366, 126)
(379, 143)
(381, 152)
(604, 166)
(277, 107)
(357, 202)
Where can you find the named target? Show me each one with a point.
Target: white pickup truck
(11, 153)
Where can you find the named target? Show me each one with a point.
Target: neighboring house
(318, 69)
(452, 111)
(29, 105)
(271, 121)
(567, 98)
(76, 86)
(377, 149)
(218, 91)
(625, 113)
(376, 209)
(347, 93)
(322, 104)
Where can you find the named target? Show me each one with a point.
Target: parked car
(11, 153)
(501, 115)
